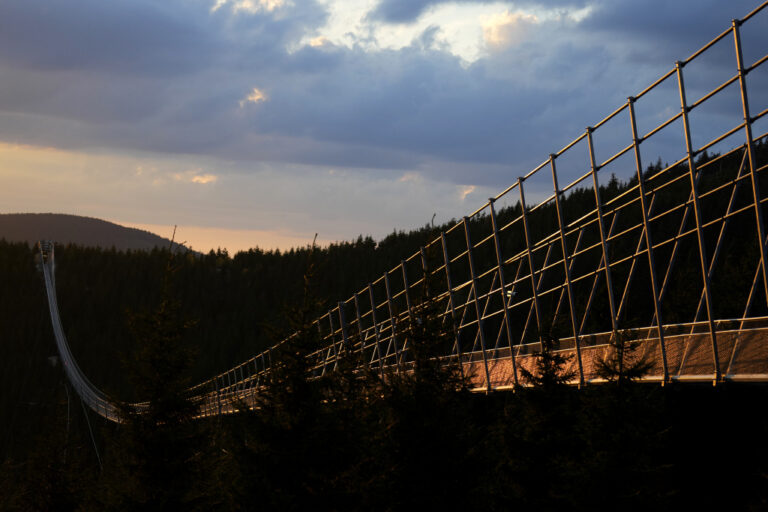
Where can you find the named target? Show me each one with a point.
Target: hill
(84, 231)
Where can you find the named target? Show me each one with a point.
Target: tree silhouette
(621, 363)
(549, 367)
(158, 458)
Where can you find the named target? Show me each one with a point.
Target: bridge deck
(743, 355)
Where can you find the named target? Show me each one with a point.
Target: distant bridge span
(652, 260)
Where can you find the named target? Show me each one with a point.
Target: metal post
(539, 282)
(333, 341)
(503, 284)
(681, 229)
(425, 272)
(566, 268)
(721, 234)
(750, 297)
(648, 243)
(480, 329)
(343, 323)
(529, 247)
(697, 216)
(246, 377)
(633, 266)
(488, 297)
(601, 225)
(563, 289)
(751, 155)
(392, 321)
(675, 251)
(218, 395)
(456, 329)
(596, 281)
(239, 387)
(359, 323)
(406, 287)
(513, 287)
(376, 330)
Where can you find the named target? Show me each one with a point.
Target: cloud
(465, 191)
(319, 41)
(507, 28)
(171, 78)
(408, 11)
(121, 36)
(401, 11)
(255, 96)
(411, 177)
(204, 179)
(195, 176)
(249, 6)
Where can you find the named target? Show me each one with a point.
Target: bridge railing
(511, 275)
(527, 264)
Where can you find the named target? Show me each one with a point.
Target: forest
(144, 325)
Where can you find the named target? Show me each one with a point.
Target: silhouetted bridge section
(673, 259)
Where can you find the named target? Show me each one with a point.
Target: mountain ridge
(66, 228)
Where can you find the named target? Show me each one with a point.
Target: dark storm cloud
(171, 77)
(172, 66)
(406, 11)
(665, 30)
(135, 37)
(142, 37)
(402, 11)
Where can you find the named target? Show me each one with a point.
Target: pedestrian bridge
(672, 258)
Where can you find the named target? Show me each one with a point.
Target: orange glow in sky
(203, 239)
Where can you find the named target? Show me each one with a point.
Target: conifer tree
(621, 363)
(158, 457)
(284, 445)
(424, 434)
(549, 367)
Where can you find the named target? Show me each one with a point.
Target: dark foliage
(158, 456)
(550, 369)
(622, 363)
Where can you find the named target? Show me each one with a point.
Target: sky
(262, 122)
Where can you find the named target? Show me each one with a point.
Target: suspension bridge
(647, 263)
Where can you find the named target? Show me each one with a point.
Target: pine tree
(424, 433)
(283, 443)
(549, 367)
(158, 460)
(621, 363)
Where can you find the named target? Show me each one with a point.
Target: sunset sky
(261, 122)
